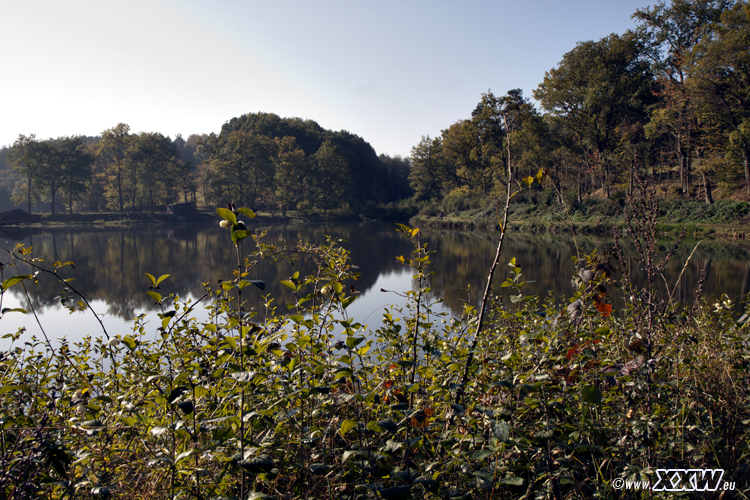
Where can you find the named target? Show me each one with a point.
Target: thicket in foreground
(253, 404)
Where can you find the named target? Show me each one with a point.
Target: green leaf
(246, 212)
(129, 421)
(227, 214)
(260, 284)
(239, 235)
(162, 278)
(343, 373)
(259, 464)
(513, 481)
(352, 342)
(152, 279)
(501, 430)
(383, 425)
(347, 425)
(8, 388)
(320, 469)
(15, 309)
(481, 454)
(289, 284)
(591, 394)
(155, 296)
(244, 376)
(6, 422)
(395, 493)
(158, 431)
(15, 279)
(393, 446)
(353, 453)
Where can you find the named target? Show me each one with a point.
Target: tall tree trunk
(630, 186)
(119, 188)
(52, 192)
(681, 162)
(606, 178)
(707, 185)
(28, 195)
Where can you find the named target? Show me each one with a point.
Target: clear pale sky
(388, 71)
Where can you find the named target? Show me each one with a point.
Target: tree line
(260, 160)
(669, 98)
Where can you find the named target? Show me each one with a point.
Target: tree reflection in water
(111, 264)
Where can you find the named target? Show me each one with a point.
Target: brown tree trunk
(707, 187)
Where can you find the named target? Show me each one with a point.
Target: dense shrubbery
(304, 402)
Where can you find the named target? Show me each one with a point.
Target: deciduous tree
(595, 89)
(113, 148)
(290, 163)
(721, 75)
(330, 177)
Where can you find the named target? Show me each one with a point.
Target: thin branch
(67, 284)
(485, 297)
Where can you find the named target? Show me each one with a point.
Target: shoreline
(608, 226)
(726, 232)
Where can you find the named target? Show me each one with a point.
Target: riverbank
(20, 218)
(725, 219)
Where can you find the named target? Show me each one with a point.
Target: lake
(111, 263)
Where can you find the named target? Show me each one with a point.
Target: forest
(258, 159)
(669, 100)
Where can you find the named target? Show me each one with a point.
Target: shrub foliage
(299, 400)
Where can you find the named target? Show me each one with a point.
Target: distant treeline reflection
(111, 262)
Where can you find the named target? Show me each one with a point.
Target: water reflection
(111, 264)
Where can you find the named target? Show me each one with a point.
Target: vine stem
(485, 297)
(416, 322)
(242, 368)
(67, 284)
(39, 323)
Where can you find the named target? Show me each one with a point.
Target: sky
(388, 71)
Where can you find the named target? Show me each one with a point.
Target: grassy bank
(117, 219)
(725, 219)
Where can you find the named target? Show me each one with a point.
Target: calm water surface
(111, 264)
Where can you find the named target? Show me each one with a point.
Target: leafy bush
(535, 400)
(460, 199)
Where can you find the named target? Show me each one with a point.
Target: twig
(682, 272)
(485, 297)
(67, 284)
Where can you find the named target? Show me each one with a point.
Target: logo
(688, 479)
